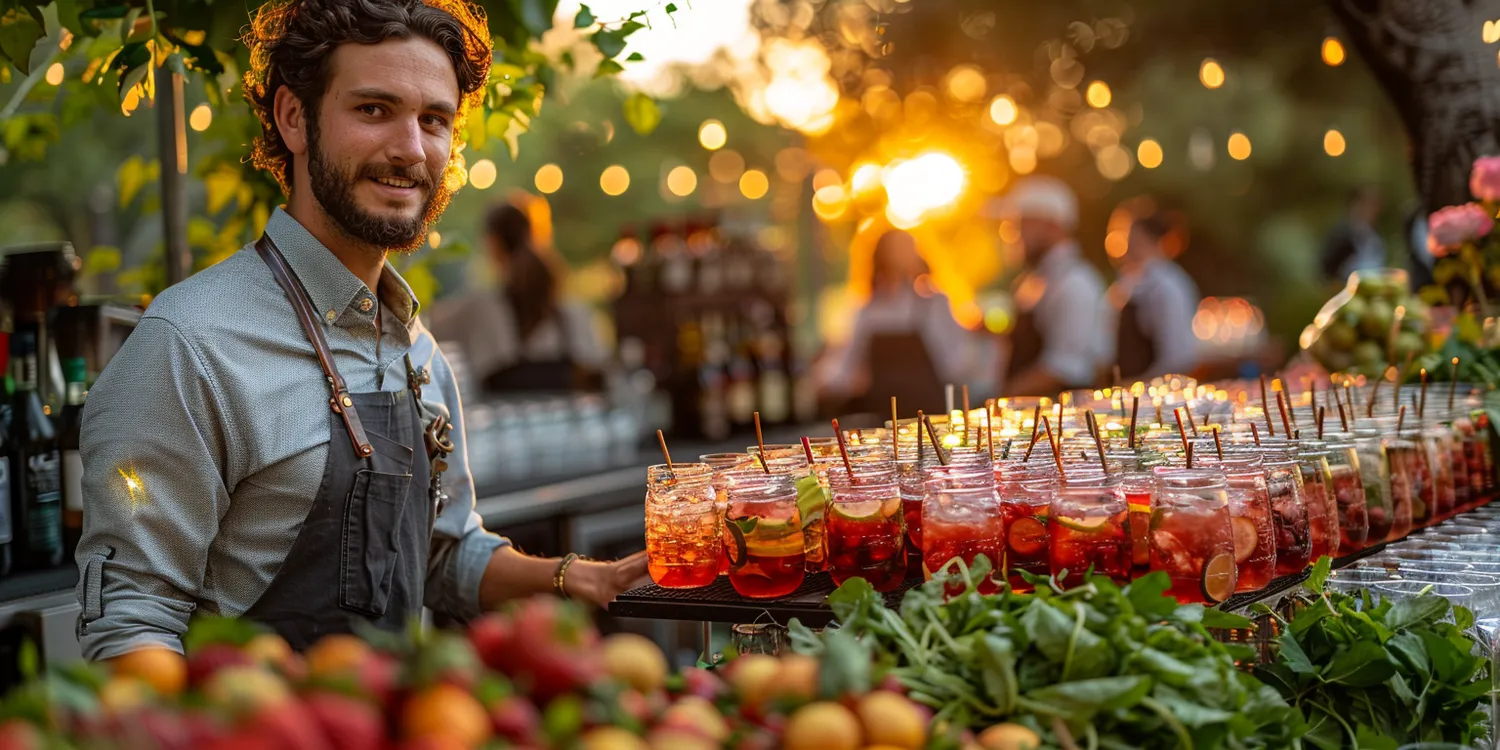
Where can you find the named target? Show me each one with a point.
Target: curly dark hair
(291, 44)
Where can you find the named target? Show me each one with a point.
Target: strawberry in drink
(1349, 500)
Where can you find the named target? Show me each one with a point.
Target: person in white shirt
(1057, 342)
(523, 336)
(1154, 300)
(902, 320)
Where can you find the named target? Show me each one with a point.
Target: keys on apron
(435, 435)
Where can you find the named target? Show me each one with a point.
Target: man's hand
(601, 582)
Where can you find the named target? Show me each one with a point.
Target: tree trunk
(1432, 60)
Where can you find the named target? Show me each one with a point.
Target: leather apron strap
(340, 402)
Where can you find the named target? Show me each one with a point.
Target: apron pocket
(372, 520)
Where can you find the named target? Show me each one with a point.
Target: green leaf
(1363, 664)
(850, 597)
(584, 19)
(1425, 609)
(1148, 595)
(1081, 700)
(1366, 738)
(1292, 655)
(19, 33)
(1318, 578)
(534, 15)
(1164, 667)
(1411, 651)
(1278, 676)
(845, 669)
(1216, 618)
(635, 57)
(641, 113)
(608, 68)
(47, 47)
(610, 42)
(1190, 712)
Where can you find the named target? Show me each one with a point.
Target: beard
(333, 187)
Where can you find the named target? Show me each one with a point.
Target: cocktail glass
(684, 544)
(1191, 536)
(1408, 504)
(1346, 479)
(1089, 523)
(766, 555)
(1289, 513)
(962, 518)
(1025, 491)
(866, 531)
(1317, 495)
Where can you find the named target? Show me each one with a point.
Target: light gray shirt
(1166, 300)
(1065, 296)
(204, 442)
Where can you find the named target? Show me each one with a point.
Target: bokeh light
(1333, 52)
(1491, 32)
(865, 178)
(920, 186)
(682, 181)
(726, 166)
(1239, 146)
(1211, 73)
(435, 239)
(201, 117)
(549, 178)
(712, 135)
(1333, 143)
(1113, 162)
(1098, 95)
(1149, 154)
(825, 177)
(754, 184)
(615, 180)
(830, 203)
(482, 174)
(1003, 110)
(966, 83)
(55, 73)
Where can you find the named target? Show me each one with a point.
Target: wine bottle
(36, 488)
(75, 372)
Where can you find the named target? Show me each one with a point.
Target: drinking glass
(766, 555)
(963, 519)
(1190, 535)
(684, 543)
(866, 534)
(1025, 493)
(1289, 516)
(1351, 501)
(1088, 523)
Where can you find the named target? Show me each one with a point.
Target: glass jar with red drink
(1250, 520)
(1025, 491)
(1191, 537)
(1438, 447)
(909, 480)
(1288, 514)
(1375, 477)
(1346, 483)
(866, 532)
(766, 556)
(684, 543)
(1408, 483)
(1089, 524)
(1317, 496)
(1140, 497)
(962, 518)
(1458, 464)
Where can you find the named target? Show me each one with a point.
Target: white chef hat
(1039, 197)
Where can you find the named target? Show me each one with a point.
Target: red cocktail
(1407, 503)
(766, 557)
(1089, 525)
(866, 532)
(963, 521)
(1322, 515)
(1290, 517)
(1190, 536)
(1349, 500)
(1139, 491)
(1250, 524)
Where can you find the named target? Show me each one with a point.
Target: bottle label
(5, 530)
(44, 517)
(72, 480)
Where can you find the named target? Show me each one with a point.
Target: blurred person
(1154, 299)
(905, 341)
(1058, 340)
(1419, 259)
(523, 336)
(1353, 244)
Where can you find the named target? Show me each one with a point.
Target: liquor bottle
(36, 489)
(75, 372)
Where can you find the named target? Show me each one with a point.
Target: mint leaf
(1148, 595)
(1363, 664)
(584, 19)
(1293, 656)
(1318, 578)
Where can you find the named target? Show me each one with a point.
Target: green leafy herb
(1373, 673)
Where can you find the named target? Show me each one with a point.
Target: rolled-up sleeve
(461, 547)
(154, 456)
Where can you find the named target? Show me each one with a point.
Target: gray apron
(361, 554)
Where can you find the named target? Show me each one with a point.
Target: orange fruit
(162, 668)
(449, 712)
(822, 726)
(121, 695)
(268, 648)
(892, 720)
(1009, 737)
(336, 654)
(796, 679)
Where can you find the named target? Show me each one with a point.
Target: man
(1155, 299)
(1056, 343)
(270, 442)
(1354, 245)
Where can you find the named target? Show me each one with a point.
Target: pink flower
(1484, 181)
(1453, 226)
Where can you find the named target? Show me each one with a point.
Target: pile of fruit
(538, 676)
(1373, 323)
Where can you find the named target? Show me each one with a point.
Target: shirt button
(366, 304)
(331, 316)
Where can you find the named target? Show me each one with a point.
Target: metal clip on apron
(361, 553)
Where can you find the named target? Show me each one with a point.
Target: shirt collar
(339, 296)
